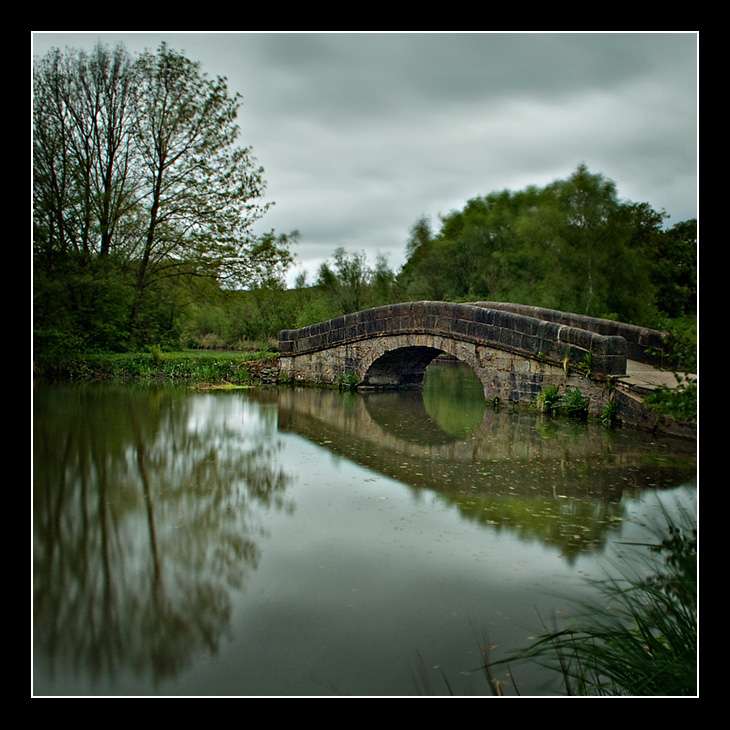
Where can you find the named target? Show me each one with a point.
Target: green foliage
(587, 363)
(193, 368)
(679, 403)
(79, 305)
(314, 308)
(572, 245)
(640, 638)
(140, 191)
(234, 319)
(156, 352)
(672, 258)
(682, 349)
(350, 284)
(348, 380)
(609, 414)
(548, 400)
(572, 402)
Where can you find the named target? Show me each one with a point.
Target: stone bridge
(514, 350)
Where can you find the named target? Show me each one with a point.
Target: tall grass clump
(640, 637)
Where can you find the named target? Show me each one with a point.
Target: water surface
(312, 542)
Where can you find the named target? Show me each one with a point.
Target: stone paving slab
(644, 376)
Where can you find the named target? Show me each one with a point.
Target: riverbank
(193, 366)
(250, 368)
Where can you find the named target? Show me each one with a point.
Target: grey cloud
(360, 134)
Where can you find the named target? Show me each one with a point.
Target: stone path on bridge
(643, 376)
(640, 380)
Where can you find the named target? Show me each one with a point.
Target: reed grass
(639, 638)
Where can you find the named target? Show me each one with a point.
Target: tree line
(145, 202)
(572, 245)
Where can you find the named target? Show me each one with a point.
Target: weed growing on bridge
(549, 400)
(609, 415)
(348, 380)
(587, 363)
(574, 404)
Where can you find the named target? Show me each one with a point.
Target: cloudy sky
(362, 133)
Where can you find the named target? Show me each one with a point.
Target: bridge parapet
(511, 331)
(642, 344)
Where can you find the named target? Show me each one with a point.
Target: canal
(311, 542)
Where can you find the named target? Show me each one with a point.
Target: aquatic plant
(640, 638)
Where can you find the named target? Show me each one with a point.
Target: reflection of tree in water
(144, 520)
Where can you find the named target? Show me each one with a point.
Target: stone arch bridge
(514, 350)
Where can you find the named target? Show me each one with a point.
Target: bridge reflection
(516, 470)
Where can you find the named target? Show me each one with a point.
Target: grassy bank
(192, 366)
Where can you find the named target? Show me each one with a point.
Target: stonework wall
(641, 342)
(399, 361)
(547, 342)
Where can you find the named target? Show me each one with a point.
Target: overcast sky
(360, 134)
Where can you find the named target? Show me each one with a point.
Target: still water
(308, 542)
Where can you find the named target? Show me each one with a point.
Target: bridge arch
(404, 360)
(402, 367)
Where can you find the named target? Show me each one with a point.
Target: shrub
(679, 403)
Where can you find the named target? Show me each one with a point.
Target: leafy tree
(350, 284)
(571, 245)
(422, 275)
(383, 283)
(84, 106)
(200, 189)
(604, 274)
(137, 162)
(346, 281)
(673, 258)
